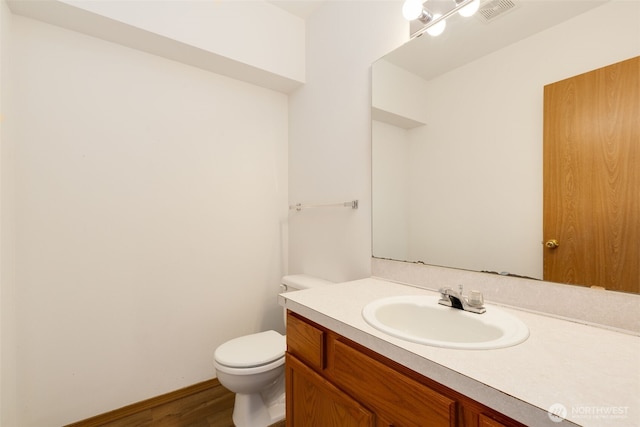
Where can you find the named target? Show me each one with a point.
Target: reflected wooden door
(592, 178)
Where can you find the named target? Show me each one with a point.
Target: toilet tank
(298, 282)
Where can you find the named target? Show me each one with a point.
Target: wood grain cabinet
(318, 402)
(332, 381)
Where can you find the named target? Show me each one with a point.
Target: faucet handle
(475, 299)
(444, 292)
(444, 296)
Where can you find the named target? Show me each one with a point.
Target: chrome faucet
(474, 303)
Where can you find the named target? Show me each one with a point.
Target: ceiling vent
(492, 9)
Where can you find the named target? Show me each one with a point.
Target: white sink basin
(420, 319)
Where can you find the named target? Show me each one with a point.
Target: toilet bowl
(252, 366)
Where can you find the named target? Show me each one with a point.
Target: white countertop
(593, 373)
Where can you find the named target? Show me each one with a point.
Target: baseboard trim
(126, 411)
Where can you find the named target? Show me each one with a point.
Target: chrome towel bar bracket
(353, 204)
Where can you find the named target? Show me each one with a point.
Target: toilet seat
(248, 371)
(252, 351)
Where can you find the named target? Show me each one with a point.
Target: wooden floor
(204, 406)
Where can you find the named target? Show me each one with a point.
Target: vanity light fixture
(438, 28)
(434, 24)
(470, 9)
(414, 10)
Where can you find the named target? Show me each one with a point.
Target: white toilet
(252, 366)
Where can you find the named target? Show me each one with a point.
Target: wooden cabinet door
(317, 402)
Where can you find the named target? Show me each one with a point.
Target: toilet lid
(251, 350)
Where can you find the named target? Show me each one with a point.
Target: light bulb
(437, 29)
(411, 9)
(470, 9)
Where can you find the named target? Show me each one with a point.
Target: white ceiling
(301, 8)
(467, 39)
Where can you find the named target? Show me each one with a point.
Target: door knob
(552, 244)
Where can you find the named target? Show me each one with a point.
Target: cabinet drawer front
(389, 393)
(305, 341)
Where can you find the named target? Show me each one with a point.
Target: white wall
(148, 208)
(209, 25)
(7, 236)
(330, 132)
(151, 220)
(8, 381)
(250, 40)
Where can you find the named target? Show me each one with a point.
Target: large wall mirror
(457, 130)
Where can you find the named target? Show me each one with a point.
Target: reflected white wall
(392, 182)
